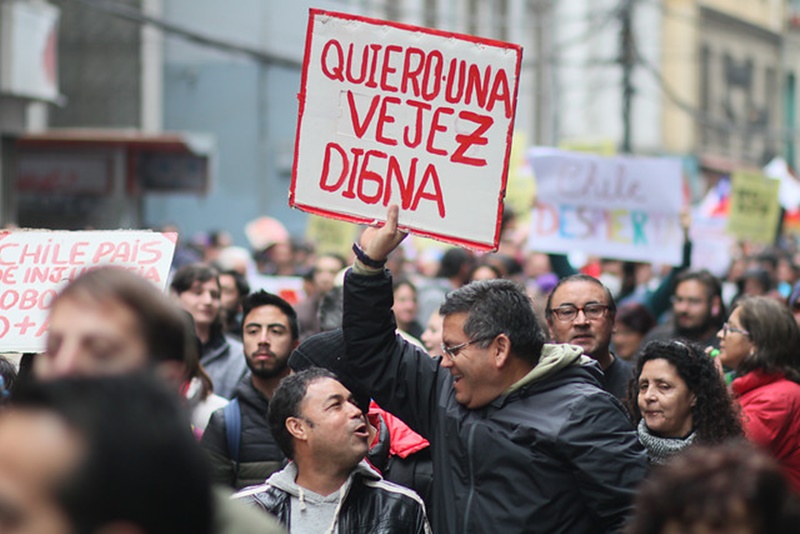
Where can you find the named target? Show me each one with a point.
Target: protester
(109, 321)
(110, 454)
(8, 379)
(633, 322)
(233, 289)
(328, 487)
(580, 310)
(727, 488)
(760, 342)
(196, 386)
(794, 302)
(485, 270)
(522, 435)
(453, 272)
(405, 307)
(326, 267)
(401, 455)
(697, 310)
(249, 456)
(677, 399)
(432, 336)
(197, 289)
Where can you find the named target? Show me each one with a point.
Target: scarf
(660, 449)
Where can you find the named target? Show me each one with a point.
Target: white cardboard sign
(391, 113)
(615, 207)
(36, 264)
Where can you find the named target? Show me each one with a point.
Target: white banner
(614, 207)
(391, 113)
(36, 264)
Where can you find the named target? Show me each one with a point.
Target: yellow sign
(520, 187)
(754, 208)
(330, 235)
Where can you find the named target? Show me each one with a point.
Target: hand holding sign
(379, 242)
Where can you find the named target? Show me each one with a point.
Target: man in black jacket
(269, 334)
(581, 311)
(523, 437)
(329, 487)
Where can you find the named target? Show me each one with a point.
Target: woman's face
(665, 400)
(405, 305)
(626, 341)
(483, 273)
(735, 343)
(432, 336)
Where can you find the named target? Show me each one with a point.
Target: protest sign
(36, 264)
(391, 113)
(619, 207)
(754, 208)
(330, 236)
(289, 288)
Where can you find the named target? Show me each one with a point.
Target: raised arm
(402, 378)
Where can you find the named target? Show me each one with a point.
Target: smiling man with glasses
(581, 311)
(523, 437)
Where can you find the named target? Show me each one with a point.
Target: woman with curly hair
(760, 342)
(677, 398)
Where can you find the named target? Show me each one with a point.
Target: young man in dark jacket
(523, 437)
(329, 487)
(269, 334)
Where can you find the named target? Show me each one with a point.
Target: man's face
(325, 271)
(202, 300)
(229, 295)
(691, 306)
(89, 338)
(337, 428)
(471, 367)
(37, 450)
(267, 340)
(592, 335)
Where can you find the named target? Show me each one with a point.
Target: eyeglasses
(568, 312)
(726, 328)
(452, 352)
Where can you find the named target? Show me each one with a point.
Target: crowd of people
(447, 392)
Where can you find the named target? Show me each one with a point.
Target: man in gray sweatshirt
(328, 486)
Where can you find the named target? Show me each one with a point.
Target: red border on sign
(301, 98)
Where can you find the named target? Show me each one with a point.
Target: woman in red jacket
(761, 342)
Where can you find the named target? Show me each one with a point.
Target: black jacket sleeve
(608, 460)
(401, 377)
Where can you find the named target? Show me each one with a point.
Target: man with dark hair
(328, 487)
(454, 269)
(101, 455)
(197, 290)
(322, 277)
(269, 334)
(111, 321)
(581, 311)
(697, 310)
(523, 436)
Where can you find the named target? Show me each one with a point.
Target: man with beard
(269, 334)
(697, 310)
(581, 311)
